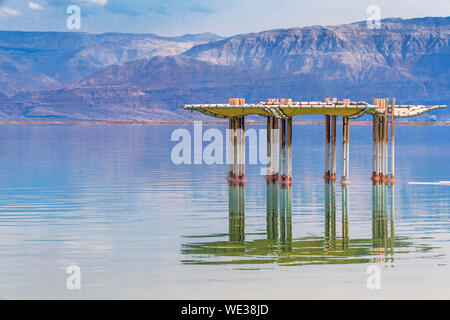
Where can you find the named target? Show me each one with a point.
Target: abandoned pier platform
(279, 114)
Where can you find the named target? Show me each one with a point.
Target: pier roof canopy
(283, 109)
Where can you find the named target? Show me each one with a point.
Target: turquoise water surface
(108, 199)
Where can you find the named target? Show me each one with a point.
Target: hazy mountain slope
(16, 77)
(41, 60)
(416, 48)
(406, 59)
(142, 89)
(156, 73)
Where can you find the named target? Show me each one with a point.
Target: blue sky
(225, 17)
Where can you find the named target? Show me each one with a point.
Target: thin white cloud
(8, 12)
(99, 2)
(35, 6)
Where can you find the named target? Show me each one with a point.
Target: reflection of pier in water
(280, 247)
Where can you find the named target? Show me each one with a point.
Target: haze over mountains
(40, 60)
(80, 76)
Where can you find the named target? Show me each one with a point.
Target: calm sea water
(110, 200)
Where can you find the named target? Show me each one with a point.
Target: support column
(379, 144)
(235, 149)
(269, 147)
(240, 176)
(385, 140)
(333, 149)
(392, 176)
(236, 155)
(275, 149)
(326, 176)
(345, 151)
(282, 151)
(289, 151)
(230, 175)
(272, 149)
(375, 148)
(285, 177)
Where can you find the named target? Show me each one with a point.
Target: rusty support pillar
(272, 149)
(275, 149)
(345, 151)
(236, 155)
(385, 140)
(382, 137)
(333, 149)
(375, 148)
(235, 149)
(240, 176)
(230, 150)
(269, 147)
(379, 144)
(392, 176)
(282, 175)
(327, 174)
(285, 176)
(289, 150)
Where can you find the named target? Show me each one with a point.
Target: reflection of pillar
(286, 217)
(345, 237)
(272, 211)
(345, 150)
(333, 149)
(327, 215)
(236, 209)
(330, 216)
(392, 222)
(379, 221)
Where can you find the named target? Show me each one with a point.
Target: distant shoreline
(400, 123)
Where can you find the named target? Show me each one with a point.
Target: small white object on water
(440, 183)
